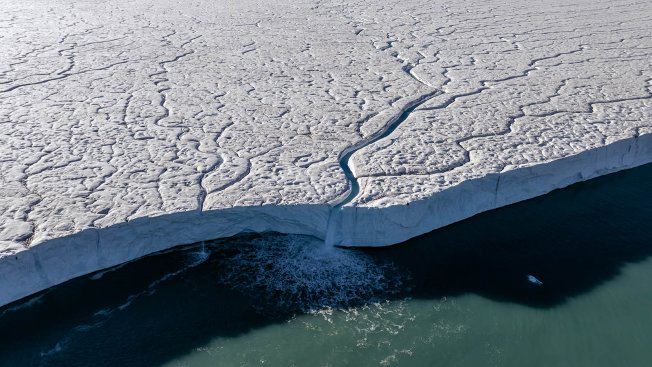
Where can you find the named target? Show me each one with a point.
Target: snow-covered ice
(129, 127)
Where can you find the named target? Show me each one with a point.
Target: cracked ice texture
(522, 87)
(122, 110)
(117, 110)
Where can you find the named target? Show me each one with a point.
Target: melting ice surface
(558, 280)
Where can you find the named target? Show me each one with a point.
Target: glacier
(130, 128)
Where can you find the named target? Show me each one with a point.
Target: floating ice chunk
(534, 280)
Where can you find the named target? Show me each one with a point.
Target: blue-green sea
(561, 280)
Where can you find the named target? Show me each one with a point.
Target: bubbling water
(302, 274)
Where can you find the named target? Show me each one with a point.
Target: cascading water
(301, 273)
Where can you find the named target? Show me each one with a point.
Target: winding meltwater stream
(393, 124)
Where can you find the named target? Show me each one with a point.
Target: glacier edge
(46, 264)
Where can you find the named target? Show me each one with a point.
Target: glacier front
(131, 127)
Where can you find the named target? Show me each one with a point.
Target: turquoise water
(459, 296)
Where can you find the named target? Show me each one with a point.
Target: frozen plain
(129, 127)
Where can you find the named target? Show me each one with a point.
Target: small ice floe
(534, 280)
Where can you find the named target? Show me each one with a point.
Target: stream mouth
(301, 273)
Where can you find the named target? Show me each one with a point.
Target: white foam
(27, 304)
(301, 273)
(56, 349)
(196, 256)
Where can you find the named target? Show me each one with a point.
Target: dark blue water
(459, 296)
